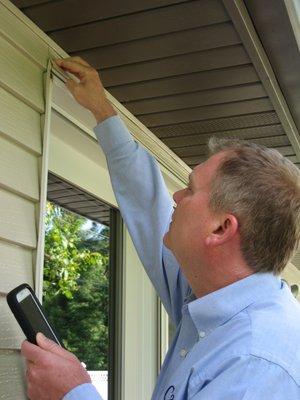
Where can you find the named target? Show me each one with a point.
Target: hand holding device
(29, 313)
(52, 371)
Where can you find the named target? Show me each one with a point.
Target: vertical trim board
(140, 363)
(43, 173)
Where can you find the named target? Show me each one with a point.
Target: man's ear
(227, 227)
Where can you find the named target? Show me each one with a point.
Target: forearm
(146, 207)
(103, 112)
(139, 188)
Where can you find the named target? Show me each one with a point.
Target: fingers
(31, 352)
(76, 59)
(75, 65)
(48, 345)
(74, 68)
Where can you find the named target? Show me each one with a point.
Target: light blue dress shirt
(241, 342)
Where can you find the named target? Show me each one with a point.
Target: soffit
(179, 66)
(77, 201)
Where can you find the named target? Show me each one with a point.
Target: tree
(76, 282)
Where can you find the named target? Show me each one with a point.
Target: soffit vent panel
(179, 66)
(77, 201)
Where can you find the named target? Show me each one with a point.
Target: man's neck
(214, 277)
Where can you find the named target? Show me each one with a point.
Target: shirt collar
(216, 308)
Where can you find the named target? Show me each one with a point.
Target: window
(79, 271)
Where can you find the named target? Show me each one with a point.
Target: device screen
(32, 311)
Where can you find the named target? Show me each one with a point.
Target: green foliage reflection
(76, 284)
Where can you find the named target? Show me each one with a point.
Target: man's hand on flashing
(51, 370)
(89, 92)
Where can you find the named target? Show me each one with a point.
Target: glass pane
(76, 287)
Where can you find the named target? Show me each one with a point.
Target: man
(233, 231)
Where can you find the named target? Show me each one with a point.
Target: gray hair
(262, 189)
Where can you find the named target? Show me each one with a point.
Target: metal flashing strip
(244, 26)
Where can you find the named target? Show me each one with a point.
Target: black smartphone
(29, 313)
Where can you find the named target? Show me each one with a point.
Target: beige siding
(19, 122)
(21, 76)
(25, 39)
(22, 62)
(11, 335)
(17, 219)
(18, 170)
(15, 266)
(12, 385)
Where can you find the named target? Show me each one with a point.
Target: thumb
(49, 345)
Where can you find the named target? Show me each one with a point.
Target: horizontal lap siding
(26, 40)
(18, 170)
(15, 115)
(11, 335)
(12, 385)
(21, 76)
(17, 219)
(23, 59)
(15, 266)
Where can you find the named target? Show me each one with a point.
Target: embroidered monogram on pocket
(169, 395)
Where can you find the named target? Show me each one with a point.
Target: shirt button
(202, 334)
(183, 353)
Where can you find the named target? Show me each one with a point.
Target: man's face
(192, 218)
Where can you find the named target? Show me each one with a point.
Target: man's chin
(166, 240)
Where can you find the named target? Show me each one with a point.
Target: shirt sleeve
(246, 378)
(86, 391)
(146, 208)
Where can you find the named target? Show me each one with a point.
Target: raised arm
(139, 188)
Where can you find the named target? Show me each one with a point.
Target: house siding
(22, 63)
